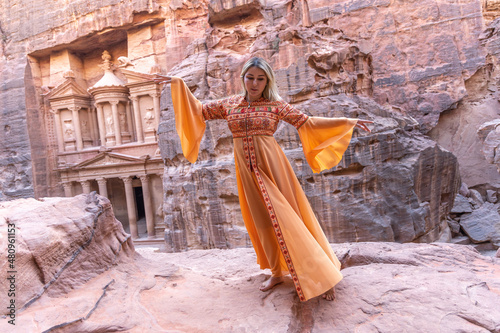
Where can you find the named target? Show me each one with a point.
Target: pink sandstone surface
(108, 287)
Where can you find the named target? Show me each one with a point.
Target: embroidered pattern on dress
(260, 118)
(248, 144)
(253, 121)
(292, 116)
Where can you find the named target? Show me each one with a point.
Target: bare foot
(273, 280)
(329, 295)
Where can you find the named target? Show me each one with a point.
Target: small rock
(476, 197)
(491, 196)
(464, 190)
(498, 253)
(454, 226)
(461, 240)
(445, 236)
(461, 205)
(485, 247)
(483, 224)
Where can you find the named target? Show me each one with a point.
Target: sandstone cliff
(427, 67)
(392, 185)
(387, 287)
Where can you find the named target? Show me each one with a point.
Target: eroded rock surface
(329, 62)
(483, 224)
(386, 288)
(432, 60)
(469, 129)
(108, 287)
(61, 244)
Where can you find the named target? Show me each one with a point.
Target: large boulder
(56, 245)
(489, 134)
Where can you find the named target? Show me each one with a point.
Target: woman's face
(255, 80)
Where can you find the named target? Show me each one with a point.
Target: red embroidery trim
(274, 220)
(262, 118)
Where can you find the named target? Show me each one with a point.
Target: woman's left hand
(362, 124)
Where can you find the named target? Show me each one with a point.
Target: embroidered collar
(244, 102)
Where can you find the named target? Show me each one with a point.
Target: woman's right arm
(190, 115)
(210, 110)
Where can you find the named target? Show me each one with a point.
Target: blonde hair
(271, 90)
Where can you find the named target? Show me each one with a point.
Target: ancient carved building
(101, 113)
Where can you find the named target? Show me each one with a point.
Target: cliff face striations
(425, 72)
(394, 184)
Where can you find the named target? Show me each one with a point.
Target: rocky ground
(387, 287)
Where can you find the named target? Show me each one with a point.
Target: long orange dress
(284, 231)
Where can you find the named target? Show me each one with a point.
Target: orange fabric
(269, 191)
(315, 263)
(324, 141)
(189, 121)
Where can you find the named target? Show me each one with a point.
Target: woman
(284, 231)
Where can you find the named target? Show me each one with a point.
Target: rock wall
(408, 66)
(396, 179)
(465, 129)
(15, 153)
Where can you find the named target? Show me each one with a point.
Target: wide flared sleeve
(324, 140)
(189, 120)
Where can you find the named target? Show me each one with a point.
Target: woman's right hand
(162, 79)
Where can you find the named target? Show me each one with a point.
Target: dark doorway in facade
(139, 199)
(141, 212)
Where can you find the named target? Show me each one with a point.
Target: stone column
(59, 131)
(131, 209)
(101, 124)
(103, 189)
(93, 125)
(78, 129)
(148, 206)
(116, 121)
(137, 118)
(68, 189)
(85, 186)
(130, 126)
(156, 106)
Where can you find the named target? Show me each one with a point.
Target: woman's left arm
(324, 140)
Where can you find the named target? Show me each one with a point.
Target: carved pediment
(108, 159)
(137, 77)
(67, 90)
